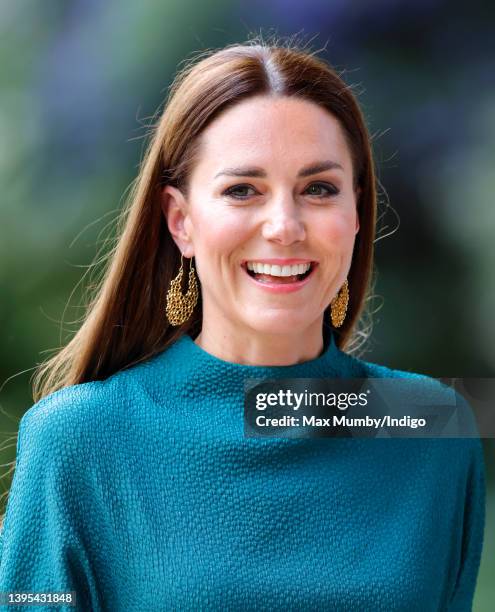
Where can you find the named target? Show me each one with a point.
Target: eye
(330, 189)
(231, 190)
(234, 191)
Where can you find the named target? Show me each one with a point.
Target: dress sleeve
(473, 531)
(42, 546)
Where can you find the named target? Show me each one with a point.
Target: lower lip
(279, 287)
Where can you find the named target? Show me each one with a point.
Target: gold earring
(180, 306)
(339, 305)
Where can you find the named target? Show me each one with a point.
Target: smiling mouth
(282, 280)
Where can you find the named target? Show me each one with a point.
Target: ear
(175, 209)
(358, 194)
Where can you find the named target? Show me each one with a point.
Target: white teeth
(262, 268)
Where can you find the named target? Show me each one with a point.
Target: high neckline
(329, 362)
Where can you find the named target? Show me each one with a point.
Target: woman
(134, 484)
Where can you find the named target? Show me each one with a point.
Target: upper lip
(278, 261)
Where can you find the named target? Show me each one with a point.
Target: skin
(276, 216)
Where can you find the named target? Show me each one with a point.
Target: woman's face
(252, 198)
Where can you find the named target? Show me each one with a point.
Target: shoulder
(427, 391)
(370, 369)
(405, 379)
(376, 370)
(71, 417)
(95, 413)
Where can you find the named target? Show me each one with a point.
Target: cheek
(219, 232)
(338, 229)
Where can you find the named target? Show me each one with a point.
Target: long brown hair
(124, 321)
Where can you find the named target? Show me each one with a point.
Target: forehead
(270, 131)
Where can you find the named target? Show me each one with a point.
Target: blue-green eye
(330, 189)
(230, 191)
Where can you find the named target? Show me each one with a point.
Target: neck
(252, 347)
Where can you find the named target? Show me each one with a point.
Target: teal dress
(141, 493)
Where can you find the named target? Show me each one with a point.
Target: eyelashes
(330, 189)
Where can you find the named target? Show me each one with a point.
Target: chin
(279, 322)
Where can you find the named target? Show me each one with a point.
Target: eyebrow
(258, 172)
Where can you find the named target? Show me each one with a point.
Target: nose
(284, 223)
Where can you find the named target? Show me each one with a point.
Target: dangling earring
(339, 305)
(180, 306)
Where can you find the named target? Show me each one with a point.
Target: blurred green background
(80, 81)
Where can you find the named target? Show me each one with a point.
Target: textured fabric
(141, 493)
